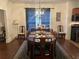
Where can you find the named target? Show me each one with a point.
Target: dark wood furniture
(41, 47)
(75, 14)
(75, 32)
(21, 34)
(75, 11)
(75, 27)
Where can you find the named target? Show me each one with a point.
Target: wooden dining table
(41, 39)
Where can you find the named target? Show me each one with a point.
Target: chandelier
(41, 10)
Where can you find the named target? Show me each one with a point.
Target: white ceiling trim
(41, 1)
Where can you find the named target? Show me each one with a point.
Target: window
(37, 17)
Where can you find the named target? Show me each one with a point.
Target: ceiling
(41, 1)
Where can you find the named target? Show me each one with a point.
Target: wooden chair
(21, 34)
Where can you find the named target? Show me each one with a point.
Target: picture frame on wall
(58, 16)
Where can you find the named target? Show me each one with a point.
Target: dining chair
(21, 34)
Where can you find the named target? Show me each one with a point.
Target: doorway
(2, 26)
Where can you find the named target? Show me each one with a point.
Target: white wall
(9, 27)
(3, 4)
(68, 17)
(15, 13)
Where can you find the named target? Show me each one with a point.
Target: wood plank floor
(7, 51)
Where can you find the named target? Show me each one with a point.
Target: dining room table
(41, 39)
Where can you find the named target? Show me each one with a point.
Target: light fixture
(40, 11)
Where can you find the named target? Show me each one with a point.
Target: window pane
(31, 18)
(45, 18)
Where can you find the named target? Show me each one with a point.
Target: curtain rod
(38, 7)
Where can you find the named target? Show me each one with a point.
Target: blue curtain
(31, 18)
(45, 18)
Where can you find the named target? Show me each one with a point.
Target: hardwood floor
(7, 51)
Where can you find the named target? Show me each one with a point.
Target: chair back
(21, 29)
